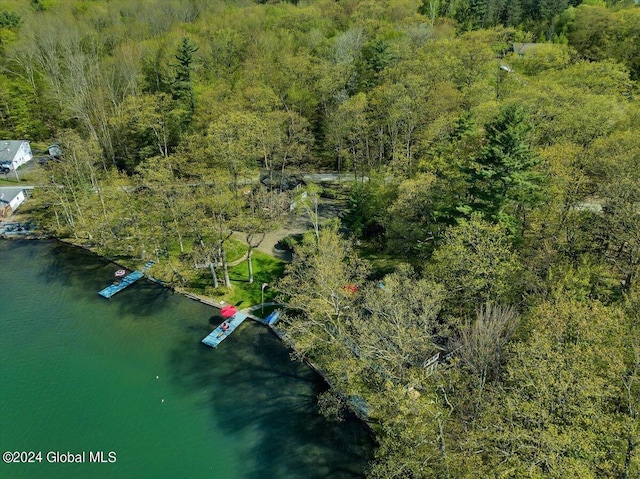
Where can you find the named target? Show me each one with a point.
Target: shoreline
(279, 333)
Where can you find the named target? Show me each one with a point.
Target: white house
(10, 199)
(14, 153)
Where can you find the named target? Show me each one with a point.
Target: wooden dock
(218, 335)
(128, 280)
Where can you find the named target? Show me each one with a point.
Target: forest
(477, 301)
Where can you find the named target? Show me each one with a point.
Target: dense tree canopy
(492, 151)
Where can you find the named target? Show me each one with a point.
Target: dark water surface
(79, 373)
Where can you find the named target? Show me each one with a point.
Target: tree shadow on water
(68, 265)
(258, 396)
(142, 299)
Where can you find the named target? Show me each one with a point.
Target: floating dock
(126, 281)
(218, 335)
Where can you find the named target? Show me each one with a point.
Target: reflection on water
(78, 372)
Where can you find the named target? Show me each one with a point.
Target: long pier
(219, 334)
(128, 280)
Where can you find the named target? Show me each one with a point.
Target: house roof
(522, 48)
(8, 149)
(8, 193)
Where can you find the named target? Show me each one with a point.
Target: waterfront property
(10, 199)
(13, 154)
(82, 374)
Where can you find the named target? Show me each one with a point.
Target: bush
(289, 242)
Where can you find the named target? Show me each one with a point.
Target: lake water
(129, 376)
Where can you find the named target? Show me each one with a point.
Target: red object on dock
(228, 311)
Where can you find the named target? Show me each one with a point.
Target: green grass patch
(266, 269)
(235, 249)
(174, 247)
(12, 182)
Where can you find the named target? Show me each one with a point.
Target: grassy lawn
(29, 174)
(12, 182)
(235, 249)
(266, 269)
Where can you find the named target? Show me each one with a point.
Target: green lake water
(79, 373)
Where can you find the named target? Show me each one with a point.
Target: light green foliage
(563, 403)
(284, 140)
(265, 211)
(543, 57)
(512, 191)
(306, 201)
(476, 264)
(617, 180)
(412, 223)
(348, 135)
(582, 282)
(169, 202)
(422, 453)
(233, 142)
(315, 284)
(397, 325)
(147, 125)
(9, 22)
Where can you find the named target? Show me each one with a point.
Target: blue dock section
(125, 282)
(272, 318)
(218, 335)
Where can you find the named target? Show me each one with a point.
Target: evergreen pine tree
(504, 180)
(182, 88)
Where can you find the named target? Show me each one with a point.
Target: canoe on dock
(220, 334)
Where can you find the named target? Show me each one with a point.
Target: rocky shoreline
(21, 230)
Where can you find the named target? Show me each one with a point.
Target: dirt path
(327, 209)
(271, 239)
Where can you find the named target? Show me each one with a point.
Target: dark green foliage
(599, 33)
(156, 78)
(182, 85)
(9, 23)
(9, 19)
(367, 205)
(538, 16)
(504, 181)
(376, 56)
